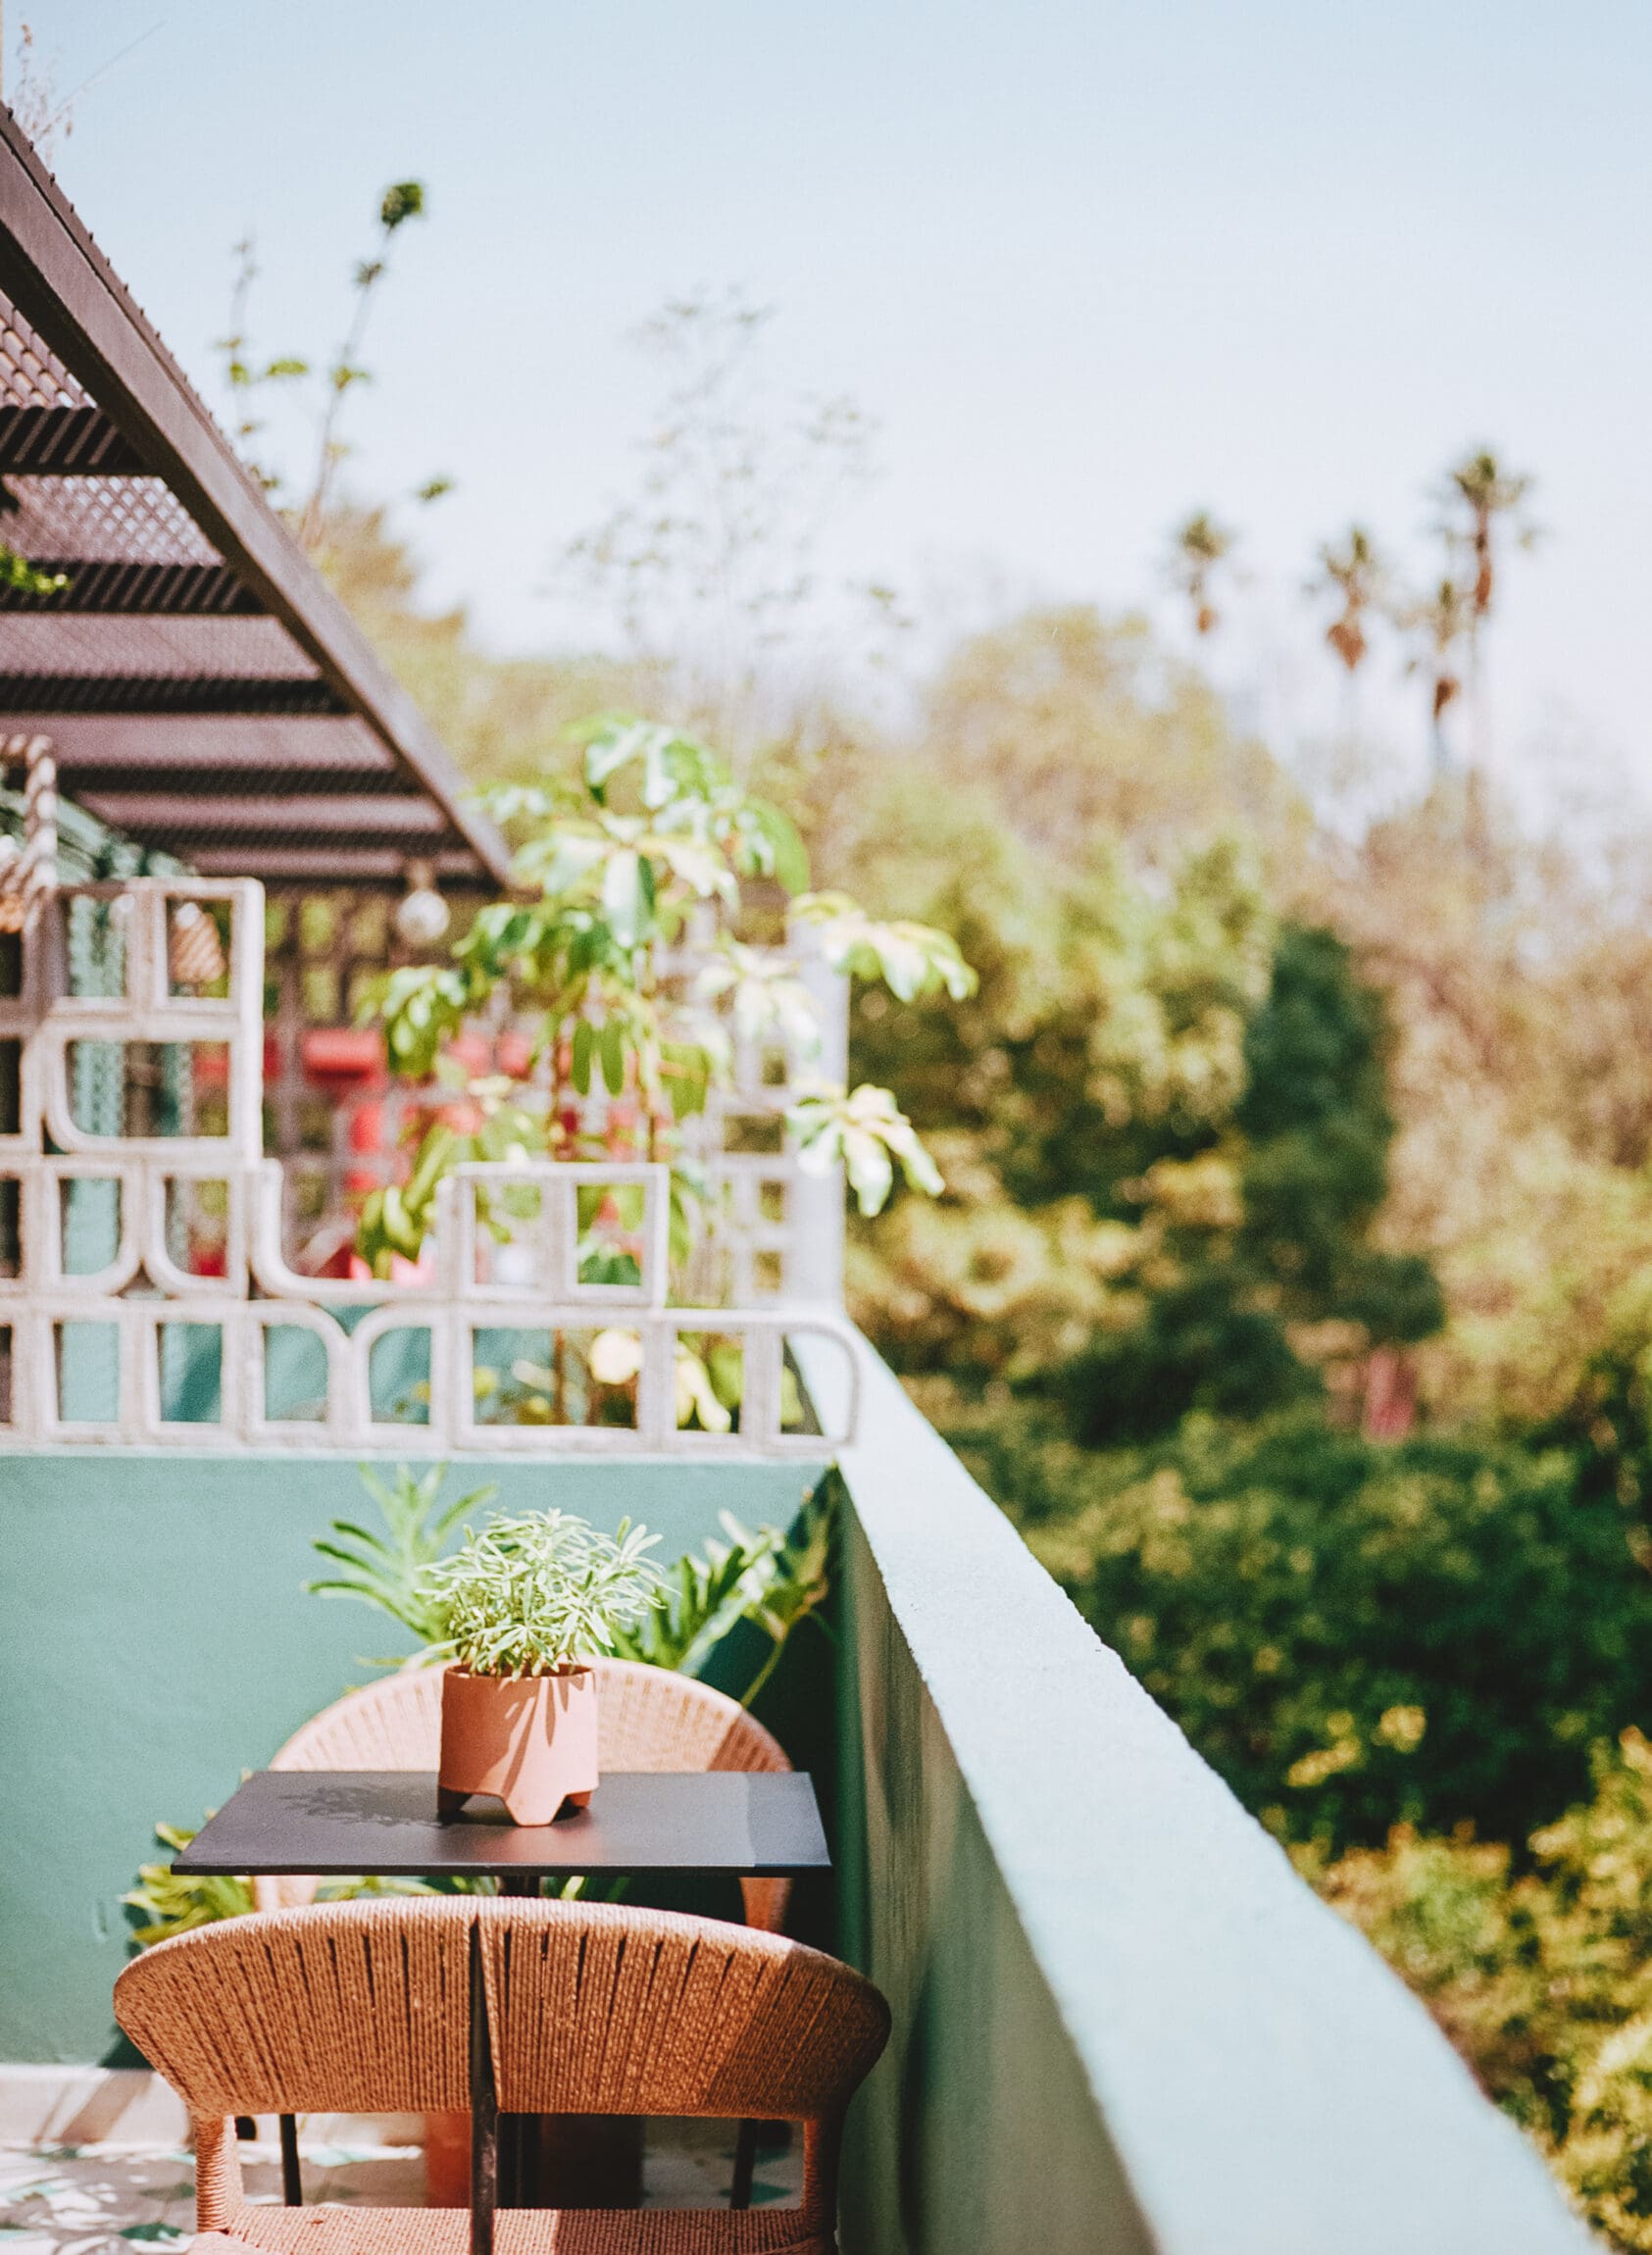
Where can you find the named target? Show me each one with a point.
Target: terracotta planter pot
(530, 1740)
(447, 2159)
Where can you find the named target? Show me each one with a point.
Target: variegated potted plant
(519, 1609)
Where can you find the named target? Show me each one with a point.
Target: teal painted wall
(155, 1641)
(978, 2131)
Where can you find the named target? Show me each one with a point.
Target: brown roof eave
(62, 283)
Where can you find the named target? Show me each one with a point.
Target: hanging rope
(28, 872)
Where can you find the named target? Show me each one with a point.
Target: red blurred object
(515, 1055)
(402, 1272)
(447, 2160)
(367, 1127)
(1389, 1409)
(342, 1053)
(471, 1051)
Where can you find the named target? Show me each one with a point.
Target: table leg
(292, 2181)
(567, 2160)
(745, 2165)
(516, 2189)
(485, 2114)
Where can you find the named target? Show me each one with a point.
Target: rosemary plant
(529, 1594)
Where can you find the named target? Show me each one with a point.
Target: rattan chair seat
(335, 2230)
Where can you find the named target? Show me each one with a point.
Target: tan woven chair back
(596, 2008)
(363, 2006)
(343, 2008)
(647, 1718)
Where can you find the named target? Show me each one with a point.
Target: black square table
(382, 1824)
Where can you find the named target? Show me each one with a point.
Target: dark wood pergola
(205, 691)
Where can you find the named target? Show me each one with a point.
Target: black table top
(382, 1824)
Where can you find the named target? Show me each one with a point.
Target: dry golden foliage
(1542, 1981)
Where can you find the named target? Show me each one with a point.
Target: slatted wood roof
(207, 693)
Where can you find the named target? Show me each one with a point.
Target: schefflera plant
(535, 1594)
(655, 829)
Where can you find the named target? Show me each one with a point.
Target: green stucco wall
(155, 1641)
(978, 2131)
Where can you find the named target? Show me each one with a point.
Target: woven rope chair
(362, 2007)
(647, 1718)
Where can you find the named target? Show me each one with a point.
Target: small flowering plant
(534, 1594)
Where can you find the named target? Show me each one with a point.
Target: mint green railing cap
(1268, 2085)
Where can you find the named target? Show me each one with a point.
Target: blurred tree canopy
(1075, 728)
(1356, 1634)
(1232, 1085)
(1164, 1121)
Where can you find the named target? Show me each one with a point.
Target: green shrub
(1308, 1145)
(1543, 1979)
(1354, 1635)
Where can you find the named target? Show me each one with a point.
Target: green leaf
(624, 901)
(613, 1057)
(685, 1070)
(584, 1042)
(867, 1131)
(613, 747)
(172, 1904)
(788, 857)
(869, 1169)
(417, 1525)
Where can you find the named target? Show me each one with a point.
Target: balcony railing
(131, 1101)
(1122, 2022)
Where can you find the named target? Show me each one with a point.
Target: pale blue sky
(1089, 265)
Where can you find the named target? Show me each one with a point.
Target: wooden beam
(109, 588)
(88, 780)
(386, 814)
(65, 443)
(46, 694)
(385, 866)
(133, 745)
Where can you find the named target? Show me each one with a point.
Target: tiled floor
(107, 2199)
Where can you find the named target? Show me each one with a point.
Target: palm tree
(1485, 506)
(1439, 623)
(1196, 550)
(1356, 574)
